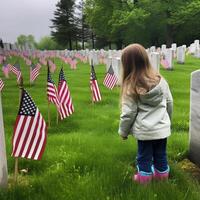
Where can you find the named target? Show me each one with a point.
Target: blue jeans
(152, 152)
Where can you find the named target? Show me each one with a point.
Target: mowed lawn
(84, 157)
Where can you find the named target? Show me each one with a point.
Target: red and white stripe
(16, 72)
(1, 85)
(34, 73)
(13, 69)
(19, 75)
(52, 94)
(96, 96)
(29, 137)
(66, 105)
(110, 81)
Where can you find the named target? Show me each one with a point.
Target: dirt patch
(191, 168)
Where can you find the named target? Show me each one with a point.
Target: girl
(146, 112)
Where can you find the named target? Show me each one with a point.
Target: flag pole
(90, 85)
(49, 116)
(57, 118)
(21, 86)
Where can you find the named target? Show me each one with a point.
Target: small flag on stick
(34, 72)
(66, 105)
(29, 138)
(110, 78)
(96, 95)
(52, 92)
(16, 70)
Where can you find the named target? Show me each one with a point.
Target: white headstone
(152, 49)
(181, 55)
(155, 60)
(116, 64)
(197, 53)
(169, 57)
(3, 159)
(194, 130)
(196, 43)
(108, 63)
(192, 48)
(163, 47)
(174, 46)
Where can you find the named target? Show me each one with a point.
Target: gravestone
(174, 48)
(108, 63)
(194, 131)
(116, 64)
(192, 48)
(169, 57)
(3, 159)
(196, 43)
(155, 60)
(197, 53)
(163, 48)
(181, 55)
(152, 49)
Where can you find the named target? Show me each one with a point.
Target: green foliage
(84, 157)
(47, 43)
(26, 39)
(145, 21)
(64, 30)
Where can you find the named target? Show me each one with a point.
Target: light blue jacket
(149, 117)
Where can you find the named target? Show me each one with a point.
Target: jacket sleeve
(127, 117)
(169, 103)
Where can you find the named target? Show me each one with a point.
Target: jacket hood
(154, 96)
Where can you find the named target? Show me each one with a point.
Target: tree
(22, 40)
(83, 30)
(64, 29)
(47, 43)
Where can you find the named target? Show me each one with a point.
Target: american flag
(1, 85)
(29, 138)
(96, 95)
(52, 66)
(34, 72)
(66, 105)
(16, 70)
(110, 78)
(52, 93)
(164, 63)
(6, 70)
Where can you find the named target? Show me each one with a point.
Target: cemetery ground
(84, 157)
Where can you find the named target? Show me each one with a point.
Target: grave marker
(194, 131)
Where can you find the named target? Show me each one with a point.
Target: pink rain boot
(161, 176)
(142, 179)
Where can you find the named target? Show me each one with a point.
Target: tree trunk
(110, 45)
(119, 44)
(169, 36)
(70, 44)
(83, 45)
(93, 41)
(76, 44)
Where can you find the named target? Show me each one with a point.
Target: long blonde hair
(138, 76)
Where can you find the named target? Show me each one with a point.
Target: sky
(25, 17)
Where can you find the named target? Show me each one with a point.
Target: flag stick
(16, 170)
(49, 119)
(21, 86)
(57, 118)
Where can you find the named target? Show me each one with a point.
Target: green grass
(84, 156)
